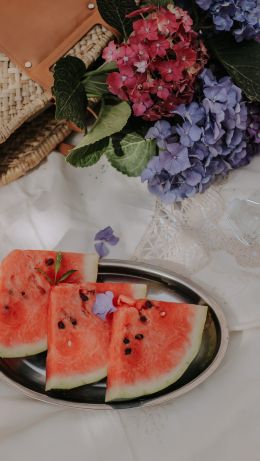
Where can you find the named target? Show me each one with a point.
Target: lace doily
(188, 234)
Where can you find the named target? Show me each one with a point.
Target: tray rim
(155, 270)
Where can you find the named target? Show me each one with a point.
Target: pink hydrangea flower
(159, 63)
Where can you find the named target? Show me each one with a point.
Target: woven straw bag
(28, 129)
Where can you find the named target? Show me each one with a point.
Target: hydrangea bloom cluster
(158, 65)
(240, 16)
(209, 140)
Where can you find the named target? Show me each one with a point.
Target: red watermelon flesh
(151, 346)
(78, 340)
(24, 296)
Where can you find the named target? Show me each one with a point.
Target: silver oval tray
(28, 374)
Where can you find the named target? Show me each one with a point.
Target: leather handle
(65, 148)
(42, 72)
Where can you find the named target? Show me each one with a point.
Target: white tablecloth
(57, 206)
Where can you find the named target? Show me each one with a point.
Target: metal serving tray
(28, 374)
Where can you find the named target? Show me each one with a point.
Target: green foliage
(87, 155)
(241, 61)
(114, 12)
(132, 154)
(69, 92)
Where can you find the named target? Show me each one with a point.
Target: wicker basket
(22, 100)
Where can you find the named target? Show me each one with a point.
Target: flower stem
(92, 112)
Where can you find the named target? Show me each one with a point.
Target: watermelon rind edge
(91, 267)
(77, 380)
(139, 290)
(23, 350)
(152, 386)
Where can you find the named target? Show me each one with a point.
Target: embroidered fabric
(214, 238)
(189, 234)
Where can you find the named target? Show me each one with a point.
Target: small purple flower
(193, 112)
(242, 17)
(175, 159)
(104, 304)
(107, 235)
(204, 4)
(101, 249)
(188, 134)
(160, 131)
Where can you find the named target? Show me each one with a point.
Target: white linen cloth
(57, 206)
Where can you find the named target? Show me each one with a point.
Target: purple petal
(104, 304)
(113, 240)
(101, 249)
(104, 234)
(107, 235)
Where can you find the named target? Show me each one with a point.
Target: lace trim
(188, 234)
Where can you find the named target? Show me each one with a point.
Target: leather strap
(34, 34)
(64, 148)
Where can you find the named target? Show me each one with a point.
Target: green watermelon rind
(152, 386)
(70, 382)
(23, 350)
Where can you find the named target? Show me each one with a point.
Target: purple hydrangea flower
(242, 17)
(107, 235)
(175, 159)
(104, 304)
(216, 135)
(101, 249)
(160, 131)
(188, 133)
(194, 113)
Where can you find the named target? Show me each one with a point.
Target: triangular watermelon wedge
(78, 340)
(24, 296)
(151, 346)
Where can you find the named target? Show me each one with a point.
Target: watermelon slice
(78, 340)
(151, 346)
(24, 296)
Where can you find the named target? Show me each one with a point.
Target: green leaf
(95, 82)
(105, 68)
(44, 274)
(114, 13)
(66, 275)
(57, 265)
(88, 155)
(69, 92)
(242, 62)
(134, 156)
(96, 86)
(112, 120)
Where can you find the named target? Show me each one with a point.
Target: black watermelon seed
(126, 341)
(139, 336)
(6, 308)
(73, 321)
(143, 318)
(23, 293)
(61, 325)
(49, 261)
(83, 296)
(128, 351)
(148, 304)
